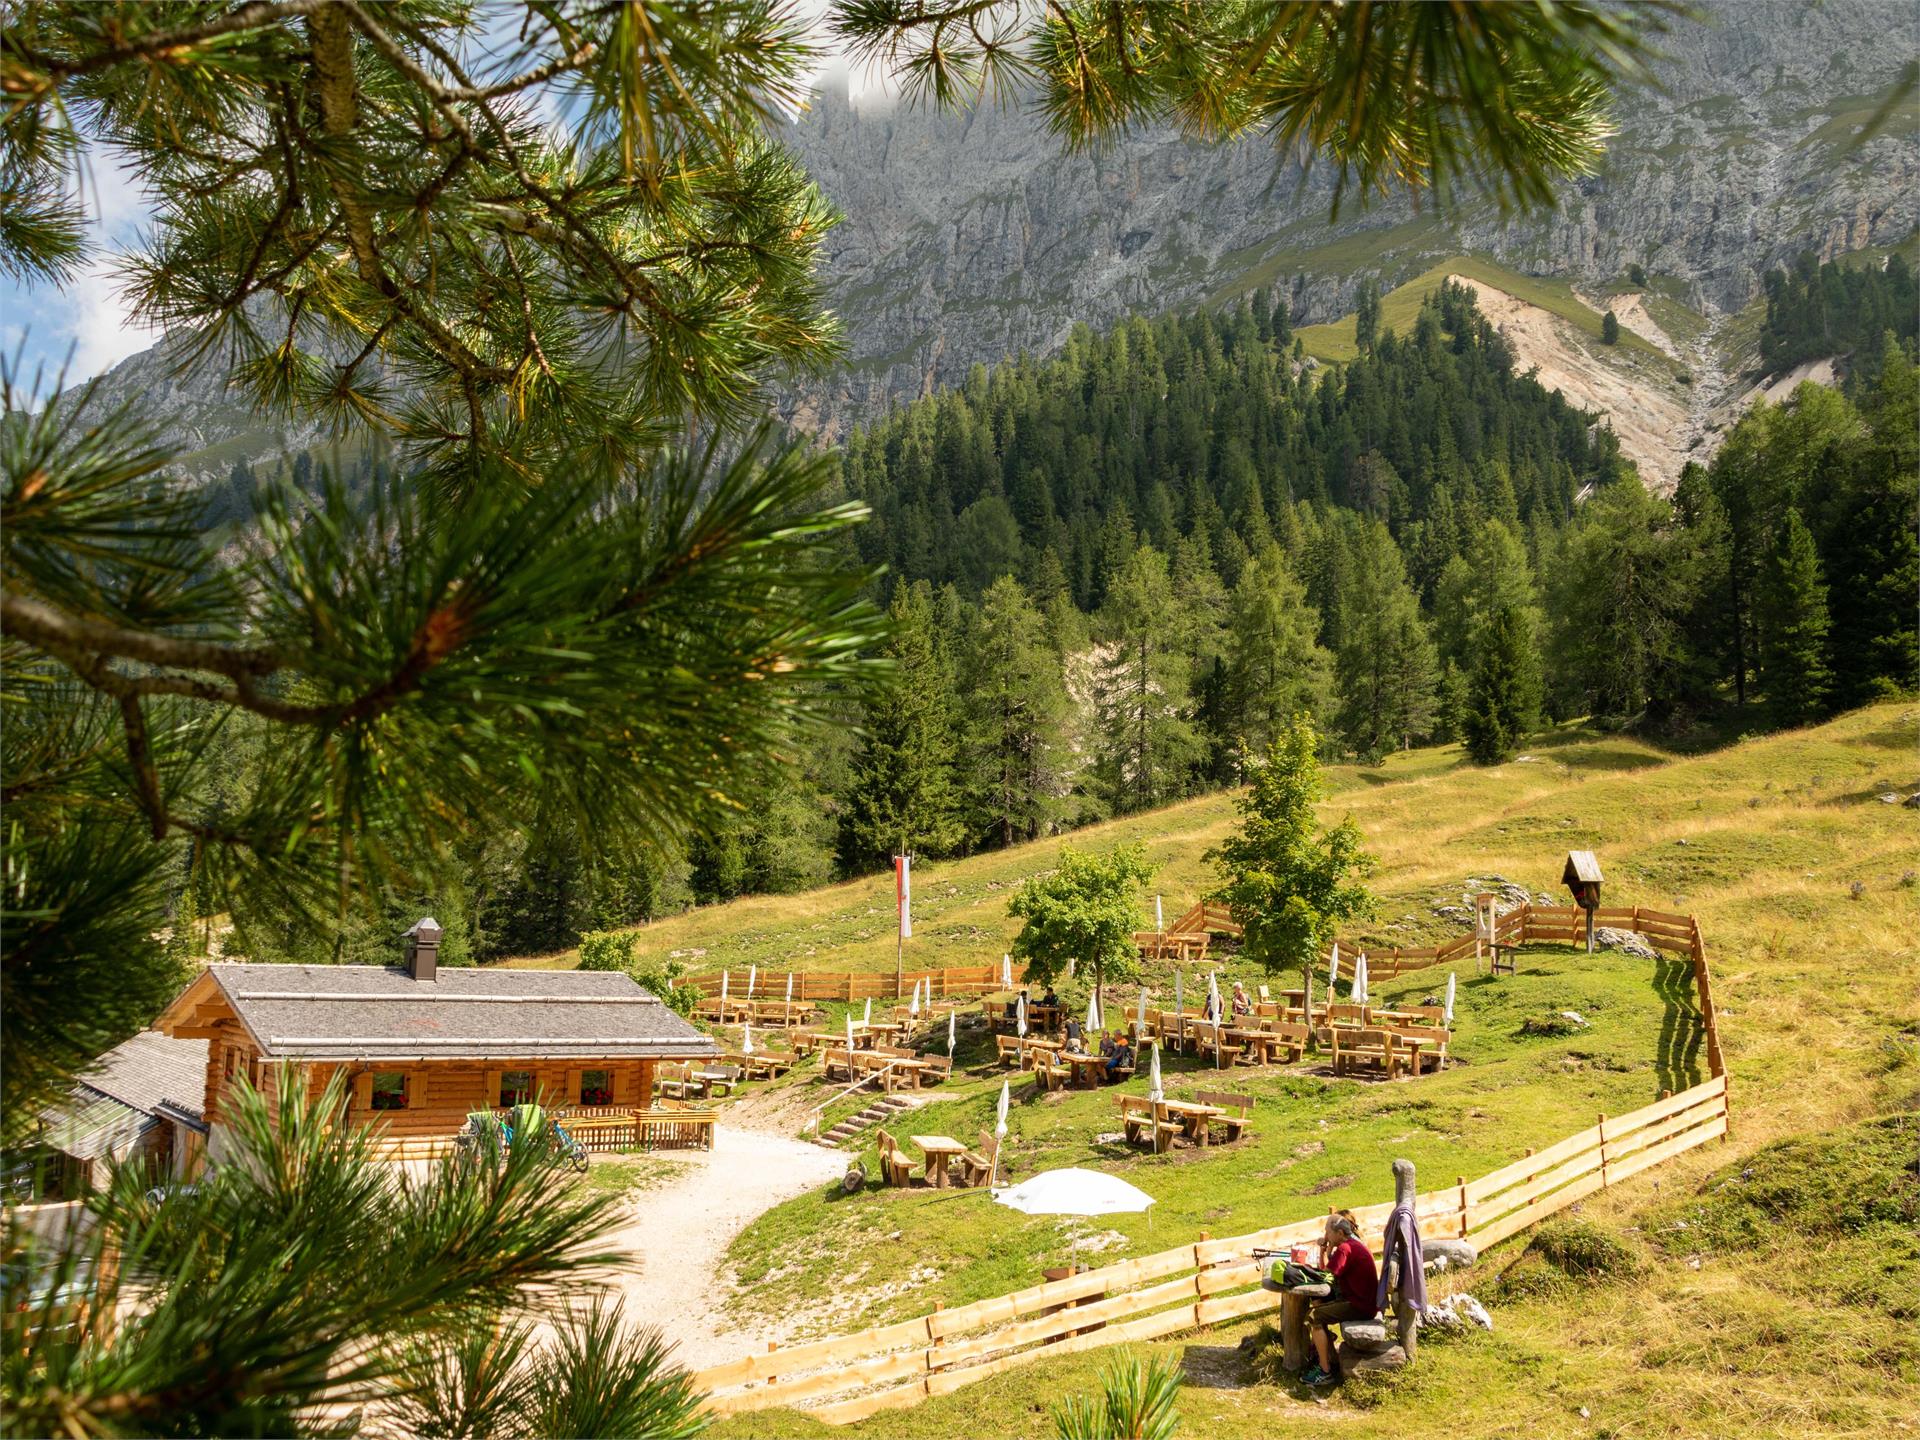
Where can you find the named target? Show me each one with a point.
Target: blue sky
(86, 325)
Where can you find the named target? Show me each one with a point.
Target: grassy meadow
(1790, 1318)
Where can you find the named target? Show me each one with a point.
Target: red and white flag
(903, 892)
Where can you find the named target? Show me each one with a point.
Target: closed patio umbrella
(1020, 1014)
(849, 1037)
(1359, 996)
(866, 1017)
(1143, 1013)
(950, 1032)
(753, 974)
(789, 987)
(1155, 1091)
(1179, 1005)
(913, 1005)
(1449, 1015)
(1006, 972)
(1000, 1112)
(723, 986)
(746, 1039)
(1158, 923)
(1213, 997)
(1333, 971)
(1093, 1013)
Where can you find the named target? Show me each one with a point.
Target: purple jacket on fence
(1403, 1236)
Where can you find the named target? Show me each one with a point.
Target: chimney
(423, 949)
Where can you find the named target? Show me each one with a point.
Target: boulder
(1626, 941)
(1912, 802)
(1457, 1253)
(1358, 1362)
(1367, 1337)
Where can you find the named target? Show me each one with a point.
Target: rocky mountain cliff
(969, 238)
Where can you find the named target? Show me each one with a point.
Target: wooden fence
(857, 984)
(599, 1129)
(1561, 925)
(1193, 1285)
(1211, 1281)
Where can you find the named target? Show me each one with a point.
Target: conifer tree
(1502, 697)
(1275, 666)
(903, 794)
(1385, 663)
(1016, 713)
(1793, 623)
(1609, 329)
(1148, 742)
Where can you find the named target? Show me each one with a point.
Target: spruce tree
(1502, 698)
(1148, 744)
(1385, 663)
(1016, 713)
(904, 794)
(1793, 624)
(1609, 329)
(1275, 666)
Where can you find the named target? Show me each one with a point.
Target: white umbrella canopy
(1074, 1192)
(753, 974)
(913, 1005)
(1154, 1089)
(866, 1017)
(1359, 996)
(746, 1039)
(1213, 997)
(1093, 1011)
(1000, 1111)
(849, 1037)
(1449, 1015)
(1143, 1012)
(723, 984)
(1020, 1014)
(950, 1032)
(789, 987)
(1158, 922)
(1006, 972)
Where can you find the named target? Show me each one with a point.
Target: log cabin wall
(442, 1093)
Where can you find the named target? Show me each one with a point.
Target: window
(389, 1090)
(596, 1087)
(516, 1087)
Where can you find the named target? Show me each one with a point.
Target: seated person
(1241, 1004)
(1050, 998)
(1075, 1036)
(1106, 1043)
(1120, 1059)
(1355, 1285)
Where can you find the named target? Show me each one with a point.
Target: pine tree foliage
(1289, 880)
(1386, 664)
(233, 1307)
(1793, 620)
(904, 795)
(1017, 719)
(1407, 95)
(1502, 695)
(1276, 667)
(1147, 743)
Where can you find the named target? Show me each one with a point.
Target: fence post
(772, 1345)
(1462, 1181)
(1604, 1181)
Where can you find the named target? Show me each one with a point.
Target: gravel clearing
(679, 1231)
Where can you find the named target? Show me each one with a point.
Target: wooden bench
(976, 1166)
(838, 1060)
(1349, 1014)
(1436, 1036)
(805, 1042)
(1144, 1118)
(671, 1080)
(896, 1168)
(1239, 1110)
(1009, 1050)
(1290, 1041)
(1046, 1074)
(1364, 1045)
(938, 1068)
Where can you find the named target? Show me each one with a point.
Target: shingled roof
(135, 1085)
(371, 1012)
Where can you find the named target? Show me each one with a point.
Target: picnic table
(939, 1149)
(1256, 1041)
(708, 1079)
(901, 1068)
(1194, 1117)
(1050, 1048)
(1091, 1066)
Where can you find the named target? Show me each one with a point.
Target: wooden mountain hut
(423, 1047)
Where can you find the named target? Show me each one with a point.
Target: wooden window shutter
(493, 1087)
(363, 1090)
(573, 1086)
(623, 1084)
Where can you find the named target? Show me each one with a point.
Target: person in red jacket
(1355, 1282)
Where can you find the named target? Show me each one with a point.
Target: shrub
(664, 982)
(1564, 1254)
(1136, 1402)
(607, 950)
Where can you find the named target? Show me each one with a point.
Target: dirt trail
(679, 1231)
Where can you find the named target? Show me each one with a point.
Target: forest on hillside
(1815, 310)
(1114, 575)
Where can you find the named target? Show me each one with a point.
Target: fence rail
(1210, 1281)
(1188, 1286)
(849, 985)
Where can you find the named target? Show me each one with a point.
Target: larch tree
(1288, 879)
(1148, 742)
(1385, 662)
(1276, 667)
(1016, 713)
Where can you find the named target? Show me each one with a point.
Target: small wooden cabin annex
(423, 1047)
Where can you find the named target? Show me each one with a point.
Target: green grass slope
(1764, 840)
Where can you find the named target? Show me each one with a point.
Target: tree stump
(1293, 1332)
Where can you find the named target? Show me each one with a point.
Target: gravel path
(680, 1232)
